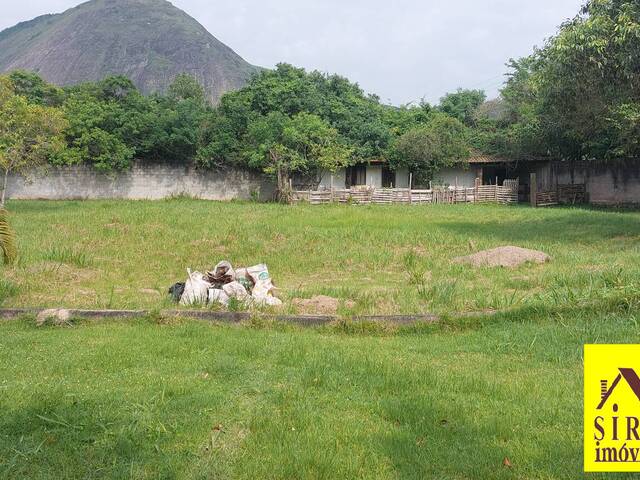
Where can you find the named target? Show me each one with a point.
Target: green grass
(152, 398)
(384, 259)
(190, 400)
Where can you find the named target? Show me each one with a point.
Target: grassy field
(151, 399)
(189, 400)
(384, 260)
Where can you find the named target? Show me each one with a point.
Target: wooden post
(331, 188)
(410, 182)
(533, 190)
(476, 190)
(455, 193)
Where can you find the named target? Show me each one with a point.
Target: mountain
(149, 41)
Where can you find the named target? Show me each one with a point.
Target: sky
(403, 50)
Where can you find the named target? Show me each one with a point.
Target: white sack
(196, 290)
(236, 290)
(263, 289)
(218, 296)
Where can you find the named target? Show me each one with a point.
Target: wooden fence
(503, 194)
(562, 194)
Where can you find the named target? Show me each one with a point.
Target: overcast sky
(402, 50)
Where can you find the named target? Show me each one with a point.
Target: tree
(582, 89)
(29, 133)
(179, 120)
(93, 135)
(186, 87)
(426, 149)
(30, 85)
(280, 146)
(462, 105)
(359, 120)
(7, 239)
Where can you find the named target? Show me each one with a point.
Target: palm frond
(7, 239)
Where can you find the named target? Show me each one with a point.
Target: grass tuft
(68, 256)
(8, 290)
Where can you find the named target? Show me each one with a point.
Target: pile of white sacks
(251, 286)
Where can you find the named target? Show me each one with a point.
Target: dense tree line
(284, 121)
(577, 97)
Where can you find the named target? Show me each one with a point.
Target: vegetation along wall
(142, 181)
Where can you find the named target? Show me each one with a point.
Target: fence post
(331, 188)
(533, 190)
(475, 192)
(455, 197)
(410, 182)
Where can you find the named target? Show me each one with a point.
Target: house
(377, 173)
(607, 183)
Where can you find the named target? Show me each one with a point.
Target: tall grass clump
(68, 256)
(7, 239)
(7, 290)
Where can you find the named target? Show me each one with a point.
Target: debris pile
(508, 256)
(251, 286)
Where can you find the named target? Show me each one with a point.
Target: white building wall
(402, 178)
(339, 179)
(374, 176)
(447, 176)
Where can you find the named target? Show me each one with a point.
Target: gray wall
(608, 183)
(151, 181)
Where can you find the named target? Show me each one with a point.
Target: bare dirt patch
(320, 304)
(508, 256)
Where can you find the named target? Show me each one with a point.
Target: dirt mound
(320, 304)
(508, 256)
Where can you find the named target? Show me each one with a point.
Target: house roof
(480, 159)
(632, 379)
(373, 161)
(476, 159)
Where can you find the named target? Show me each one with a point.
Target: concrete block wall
(142, 181)
(607, 183)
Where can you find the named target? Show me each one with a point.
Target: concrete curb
(224, 317)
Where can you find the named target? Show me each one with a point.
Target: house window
(356, 175)
(388, 177)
